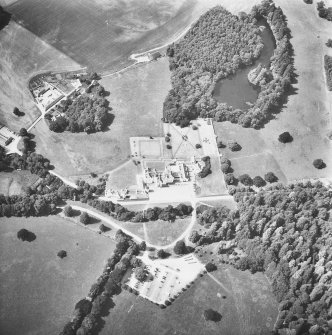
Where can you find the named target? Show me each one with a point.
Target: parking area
(170, 277)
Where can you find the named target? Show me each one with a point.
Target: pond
(236, 90)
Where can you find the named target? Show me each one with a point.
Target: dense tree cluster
(285, 232)
(323, 12)
(89, 311)
(328, 71)
(81, 114)
(216, 47)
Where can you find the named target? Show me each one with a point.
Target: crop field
(249, 308)
(38, 289)
(21, 55)
(12, 183)
(163, 232)
(136, 97)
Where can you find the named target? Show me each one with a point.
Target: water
(236, 90)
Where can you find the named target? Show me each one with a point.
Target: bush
(319, 164)
(221, 145)
(245, 179)
(271, 177)
(233, 146)
(207, 167)
(26, 235)
(62, 254)
(211, 315)
(162, 253)
(194, 127)
(167, 139)
(285, 137)
(309, 2)
(103, 228)
(168, 146)
(140, 274)
(259, 181)
(198, 146)
(85, 218)
(329, 43)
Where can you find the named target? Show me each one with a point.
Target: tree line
(285, 232)
(328, 71)
(216, 47)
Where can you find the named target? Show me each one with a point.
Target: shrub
(271, 177)
(221, 145)
(285, 137)
(207, 167)
(319, 164)
(194, 127)
(198, 146)
(85, 218)
(167, 139)
(309, 2)
(168, 146)
(259, 181)
(140, 273)
(103, 228)
(233, 146)
(62, 254)
(245, 179)
(329, 43)
(162, 253)
(26, 235)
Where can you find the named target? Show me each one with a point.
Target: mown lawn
(39, 290)
(249, 308)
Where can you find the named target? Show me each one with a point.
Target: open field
(125, 175)
(21, 55)
(12, 183)
(136, 97)
(38, 289)
(163, 232)
(249, 308)
(102, 34)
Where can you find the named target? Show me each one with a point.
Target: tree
(85, 218)
(26, 235)
(271, 177)
(62, 254)
(68, 211)
(211, 315)
(245, 179)
(233, 145)
(142, 246)
(221, 145)
(198, 146)
(23, 132)
(180, 248)
(329, 43)
(16, 111)
(99, 304)
(319, 164)
(161, 253)
(168, 146)
(103, 228)
(210, 267)
(259, 181)
(285, 137)
(83, 307)
(230, 179)
(140, 273)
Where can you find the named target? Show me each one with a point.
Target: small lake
(236, 90)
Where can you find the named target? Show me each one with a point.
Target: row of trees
(82, 113)
(285, 232)
(121, 213)
(328, 71)
(215, 48)
(88, 313)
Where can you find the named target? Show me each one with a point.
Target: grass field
(136, 97)
(39, 290)
(21, 55)
(12, 183)
(164, 232)
(125, 175)
(249, 309)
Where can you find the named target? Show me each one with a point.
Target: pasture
(23, 54)
(249, 308)
(38, 289)
(13, 183)
(136, 97)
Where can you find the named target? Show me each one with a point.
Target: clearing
(38, 289)
(13, 183)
